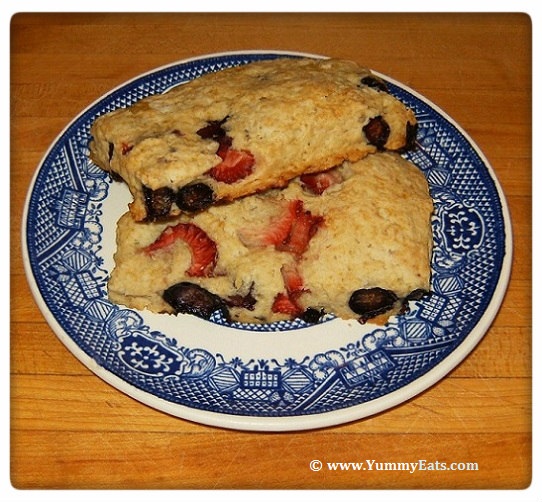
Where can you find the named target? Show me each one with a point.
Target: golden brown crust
(291, 115)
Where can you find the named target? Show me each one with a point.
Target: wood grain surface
(70, 429)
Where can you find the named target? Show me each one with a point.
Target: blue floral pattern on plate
(374, 370)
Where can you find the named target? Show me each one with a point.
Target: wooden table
(69, 429)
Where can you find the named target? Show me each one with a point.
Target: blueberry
(374, 83)
(158, 202)
(195, 197)
(190, 298)
(371, 302)
(377, 132)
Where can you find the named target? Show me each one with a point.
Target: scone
(354, 242)
(246, 129)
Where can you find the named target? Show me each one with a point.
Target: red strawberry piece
(290, 232)
(125, 148)
(273, 233)
(282, 304)
(318, 183)
(202, 248)
(292, 279)
(235, 165)
(287, 302)
(303, 228)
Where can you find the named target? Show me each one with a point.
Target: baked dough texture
(246, 129)
(291, 252)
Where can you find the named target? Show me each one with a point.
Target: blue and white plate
(282, 376)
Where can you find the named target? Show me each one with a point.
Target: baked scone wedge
(246, 129)
(355, 242)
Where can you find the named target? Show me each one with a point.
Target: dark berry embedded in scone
(189, 298)
(192, 198)
(377, 132)
(158, 202)
(354, 242)
(371, 302)
(243, 130)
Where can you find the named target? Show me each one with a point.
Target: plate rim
(291, 422)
